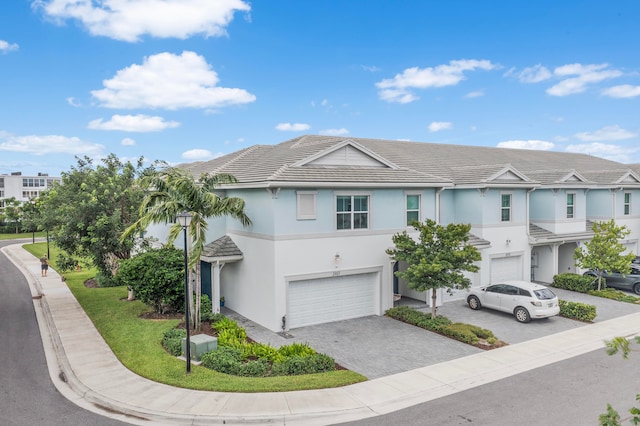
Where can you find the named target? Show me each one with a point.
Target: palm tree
(172, 191)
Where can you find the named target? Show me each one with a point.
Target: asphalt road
(567, 393)
(27, 394)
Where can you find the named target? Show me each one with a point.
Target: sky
(189, 80)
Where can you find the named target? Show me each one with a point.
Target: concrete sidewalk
(85, 370)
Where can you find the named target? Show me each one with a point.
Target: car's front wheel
(474, 303)
(636, 288)
(521, 314)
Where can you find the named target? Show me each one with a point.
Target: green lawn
(136, 343)
(38, 234)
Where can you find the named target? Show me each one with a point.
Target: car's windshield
(544, 294)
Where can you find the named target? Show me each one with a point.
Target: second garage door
(329, 299)
(506, 268)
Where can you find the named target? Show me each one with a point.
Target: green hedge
(575, 282)
(465, 333)
(618, 295)
(577, 310)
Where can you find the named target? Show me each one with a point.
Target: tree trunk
(191, 307)
(130, 295)
(198, 289)
(599, 280)
(434, 297)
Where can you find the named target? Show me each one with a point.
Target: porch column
(554, 256)
(215, 286)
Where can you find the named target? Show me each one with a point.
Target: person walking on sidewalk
(44, 264)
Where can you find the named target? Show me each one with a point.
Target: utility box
(200, 343)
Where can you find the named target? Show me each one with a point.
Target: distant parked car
(523, 299)
(630, 281)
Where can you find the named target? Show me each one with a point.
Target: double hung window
(413, 209)
(627, 203)
(570, 205)
(505, 209)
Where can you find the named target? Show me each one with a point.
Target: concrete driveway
(379, 346)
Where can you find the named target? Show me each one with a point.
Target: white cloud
(528, 144)
(584, 75)
(295, 127)
(476, 94)
(199, 155)
(534, 74)
(334, 132)
(607, 133)
(133, 123)
(128, 20)
(127, 142)
(437, 126)
(169, 81)
(622, 91)
(73, 102)
(610, 152)
(6, 47)
(398, 89)
(48, 144)
(370, 68)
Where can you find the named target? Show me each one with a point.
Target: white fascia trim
(287, 184)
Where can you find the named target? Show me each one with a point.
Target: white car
(523, 299)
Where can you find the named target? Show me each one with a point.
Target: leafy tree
(156, 276)
(12, 212)
(172, 191)
(604, 251)
(437, 259)
(87, 211)
(612, 417)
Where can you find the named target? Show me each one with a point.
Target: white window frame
(351, 194)
(509, 208)
(571, 206)
(306, 205)
(626, 201)
(407, 210)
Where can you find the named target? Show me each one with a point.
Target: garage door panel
(506, 268)
(331, 299)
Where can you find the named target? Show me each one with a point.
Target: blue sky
(188, 80)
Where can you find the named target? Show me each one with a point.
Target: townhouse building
(324, 210)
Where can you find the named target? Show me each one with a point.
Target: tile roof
(418, 163)
(222, 247)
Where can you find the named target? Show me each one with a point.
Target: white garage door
(506, 268)
(332, 299)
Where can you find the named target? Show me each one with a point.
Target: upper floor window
(627, 203)
(413, 209)
(352, 211)
(30, 194)
(33, 182)
(505, 209)
(570, 205)
(1, 182)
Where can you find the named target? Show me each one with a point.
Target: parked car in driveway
(523, 299)
(630, 281)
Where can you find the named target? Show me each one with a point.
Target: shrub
(106, 280)
(255, 368)
(206, 313)
(66, 262)
(618, 295)
(465, 333)
(576, 310)
(224, 360)
(172, 341)
(574, 282)
(321, 363)
(296, 349)
(156, 277)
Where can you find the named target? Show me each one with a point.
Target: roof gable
(508, 174)
(629, 177)
(346, 154)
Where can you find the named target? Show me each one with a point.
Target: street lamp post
(184, 219)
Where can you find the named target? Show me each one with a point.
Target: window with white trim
(352, 211)
(413, 208)
(306, 205)
(627, 203)
(505, 207)
(571, 197)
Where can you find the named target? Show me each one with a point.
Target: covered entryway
(506, 268)
(321, 300)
